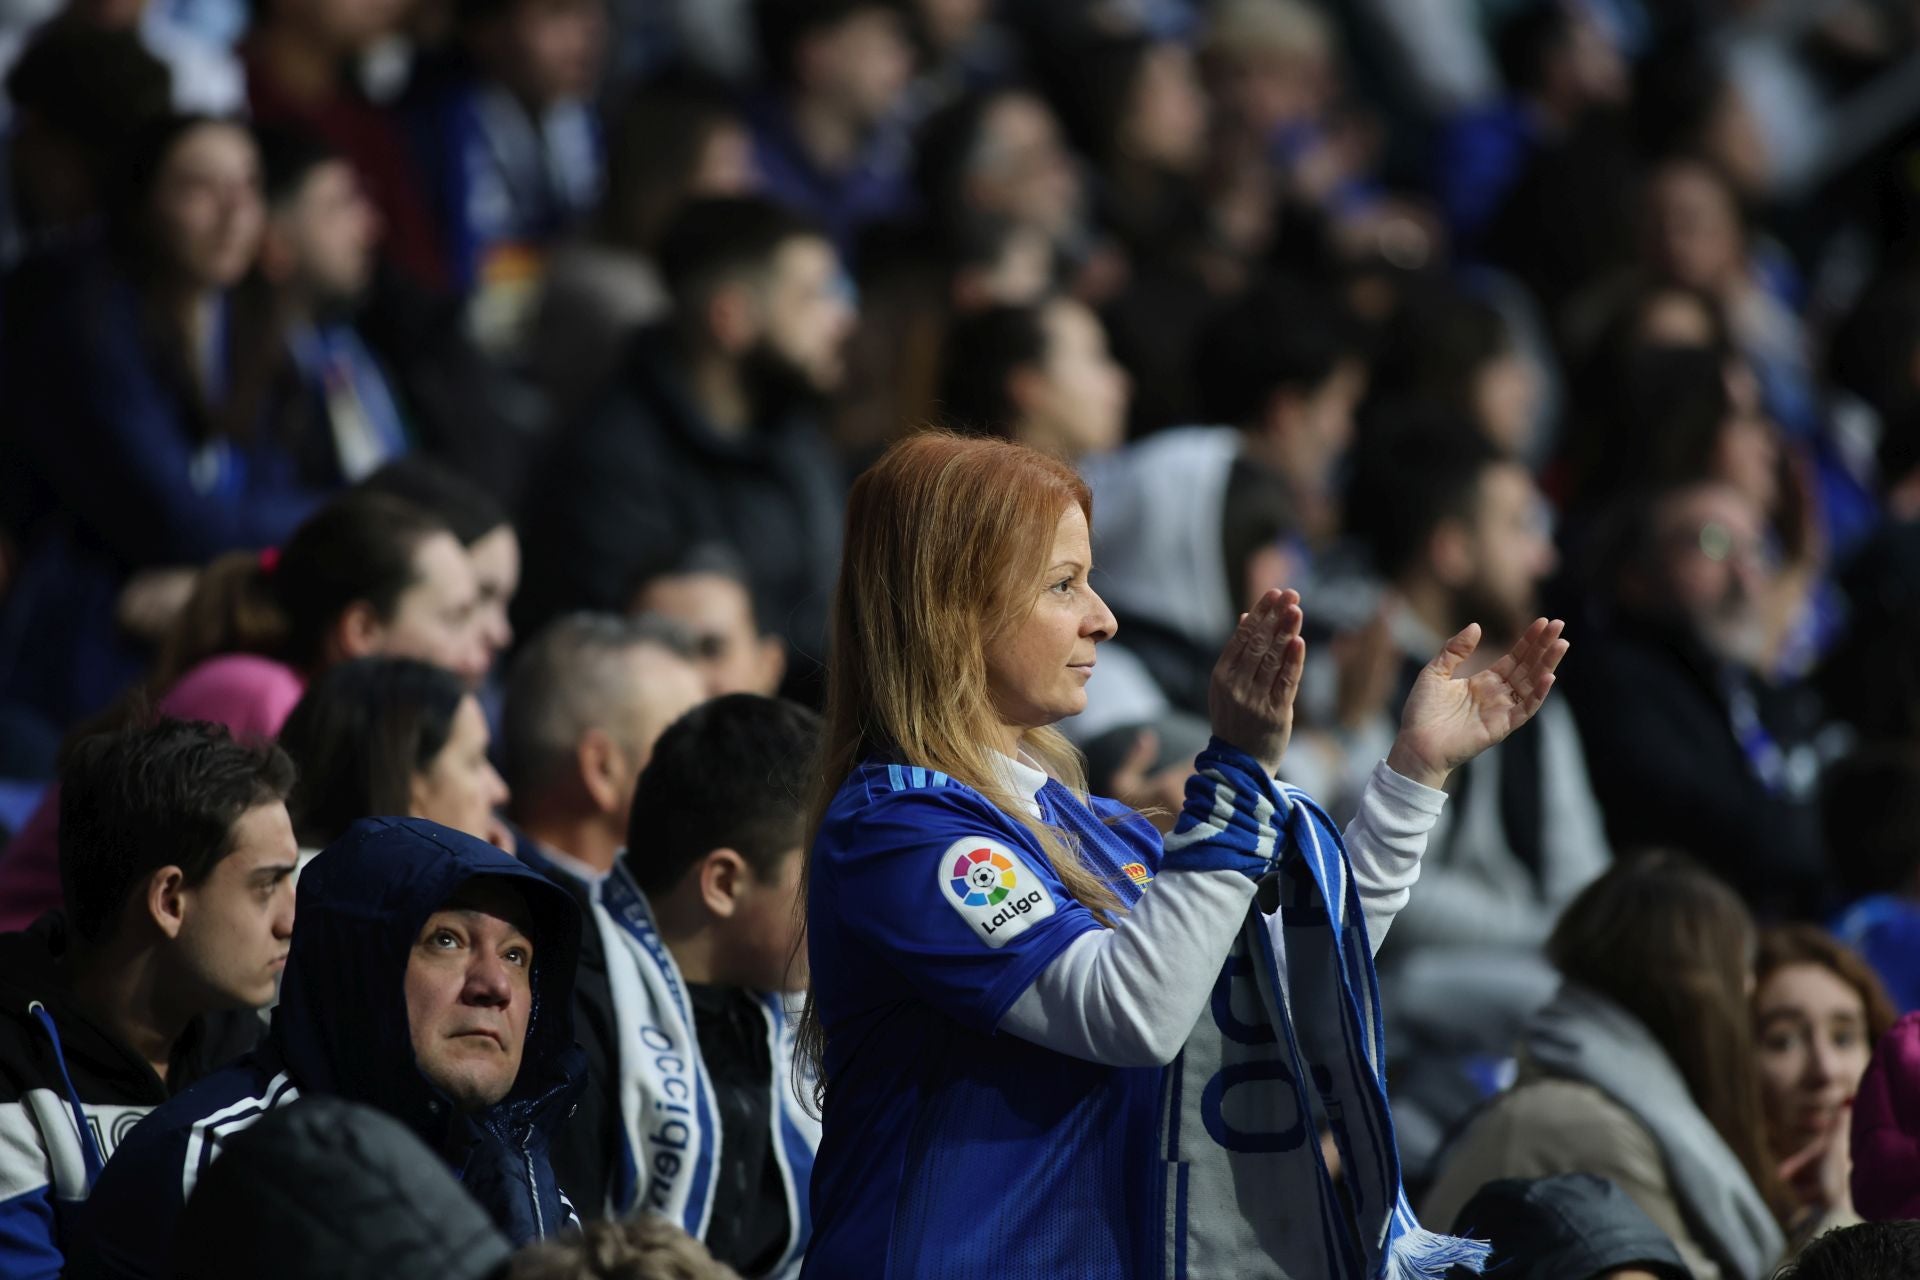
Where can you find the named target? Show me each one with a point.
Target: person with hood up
(432, 978)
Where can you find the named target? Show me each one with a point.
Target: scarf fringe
(1428, 1255)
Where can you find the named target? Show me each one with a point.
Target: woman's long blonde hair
(945, 535)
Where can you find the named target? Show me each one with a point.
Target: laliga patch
(992, 889)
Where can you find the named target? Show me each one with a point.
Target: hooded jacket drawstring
(89, 1148)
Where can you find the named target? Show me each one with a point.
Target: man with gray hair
(586, 700)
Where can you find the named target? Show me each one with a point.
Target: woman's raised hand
(1250, 698)
(1448, 720)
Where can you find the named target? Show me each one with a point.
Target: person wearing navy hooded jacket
(422, 960)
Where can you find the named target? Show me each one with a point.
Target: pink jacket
(1886, 1128)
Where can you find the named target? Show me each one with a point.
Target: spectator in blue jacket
(139, 405)
(511, 141)
(432, 978)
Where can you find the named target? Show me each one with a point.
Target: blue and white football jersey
(949, 1150)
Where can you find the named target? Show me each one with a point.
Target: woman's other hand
(1250, 698)
(1450, 719)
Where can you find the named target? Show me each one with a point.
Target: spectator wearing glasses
(1688, 744)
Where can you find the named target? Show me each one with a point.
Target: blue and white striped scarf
(1291, 1039)
(670, 1116)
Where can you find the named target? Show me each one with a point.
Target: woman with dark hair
(1818, 1010)
(138, 412)
(368, 574)
(384, 737)
(1643, 1070)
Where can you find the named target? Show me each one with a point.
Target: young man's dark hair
(730, 774)
(1865, 1251)
(1283, 335)
(717, 236)
(1414, 476)
(470, 511)
(167, 794)
(80, 95)
(780, 26)
(712, 868)
(1526, 41)
(983, 350)
(1869, 813)
(287, 156)
(360, 546)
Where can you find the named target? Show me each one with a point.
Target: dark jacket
(341, 1029)
(57, 1066)
(1657, 723)
(647, 476)
(1571, 1227)
(324, 1189)
(590, 1160)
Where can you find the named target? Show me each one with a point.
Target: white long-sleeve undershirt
(1129, 996)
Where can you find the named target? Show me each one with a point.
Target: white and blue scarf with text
(1291, 1041)
(670, 1117)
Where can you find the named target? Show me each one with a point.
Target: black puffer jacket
(326, 1188)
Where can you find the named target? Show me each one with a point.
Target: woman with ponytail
(1004, 967)
(367, 575)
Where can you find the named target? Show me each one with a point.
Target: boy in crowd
(703, 954)
(176, 858)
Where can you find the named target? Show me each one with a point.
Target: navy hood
(341, 1026)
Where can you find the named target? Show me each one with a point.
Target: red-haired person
(1003, 967)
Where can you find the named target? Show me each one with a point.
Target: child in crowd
(703, 956)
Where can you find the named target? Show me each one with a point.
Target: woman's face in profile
(459, 788)
(1038, 666)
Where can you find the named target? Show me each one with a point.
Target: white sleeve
(1385, 842)
(1129, 996)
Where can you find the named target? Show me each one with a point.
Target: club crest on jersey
(992, 889)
